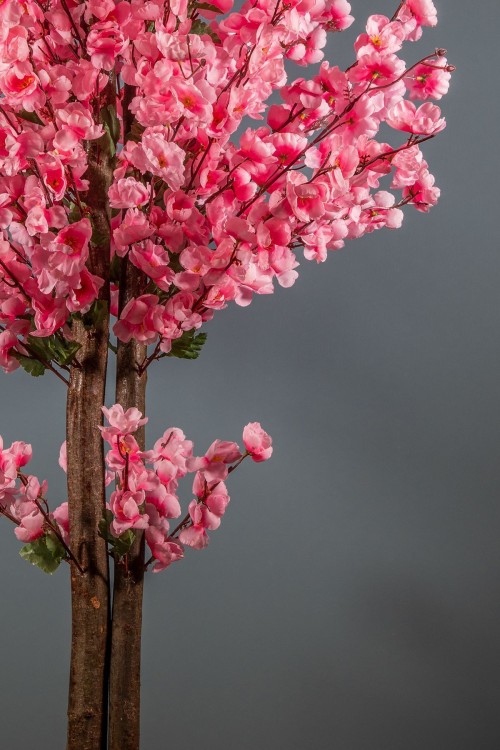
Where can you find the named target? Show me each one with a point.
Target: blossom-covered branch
(205, 220)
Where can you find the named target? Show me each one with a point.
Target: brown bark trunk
(125, 679)
(89, 592)
(88, 688)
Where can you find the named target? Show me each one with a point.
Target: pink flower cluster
(207, 220)
(147, 482)
(22, 497)
(146, 486)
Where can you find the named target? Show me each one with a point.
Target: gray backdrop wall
(351, 598)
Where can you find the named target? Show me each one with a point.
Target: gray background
(351, 597)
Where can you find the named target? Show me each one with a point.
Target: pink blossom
(154, 261)
(104, 43)
(63, 457)
(165, 551)
(84, 293)
(123, 422)
(141, 318)
(214, 464)
(422, 191)
(127, 514)
(218, 499)
(20, 85)
(74, 239)
(163, 158)
(21, 453)
(78, 119)
(424, 11)
(124, 452)
(61, 517)
(306, 198)
(171, 453)
(53, 175)
(134, 228)
(50, 315)
(8, 343)
(194, 536)
(160, 503)
(378, 67)
(257, 442)
(381, 35)
(429, 81)
(31, 524)
(338, 15)
(128, 193)
(8, 469)
(425, 120)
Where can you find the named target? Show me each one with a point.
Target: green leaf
(111, 122)
(200, 28)
(123, 543)
(53, 348)
(119, 544)
(74, 213)
(66, 353)
(188, 346)
(32, 366)
(208, 6)
(30, 117)
(110, 144)
(96, 314)
(104, 525)
(46, 553)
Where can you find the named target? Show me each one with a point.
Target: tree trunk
(125, 679)
(87, 705)
(88, 687)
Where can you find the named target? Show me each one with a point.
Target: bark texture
(87, 705)
(88, 688)
(125, 680)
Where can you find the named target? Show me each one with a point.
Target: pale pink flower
(381, 35)
(141, 318)
(31, 523)
(20, 85)
(78, 119)
(377, 67)
(257, 442)
(163, 158)
(21, 452)
(338, 15)
(306, 198)
(8, 342)
(424, 11)
(165, 551)
(127, 514)
(154, 261)
(425, 120)
(429, 81)
(123, 422)
(128, 193)
(133, 228)
(214, 464)
(194, 536)
(104, 43)
(61, 516)
(63, 457)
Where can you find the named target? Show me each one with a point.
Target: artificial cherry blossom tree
(130, 214)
